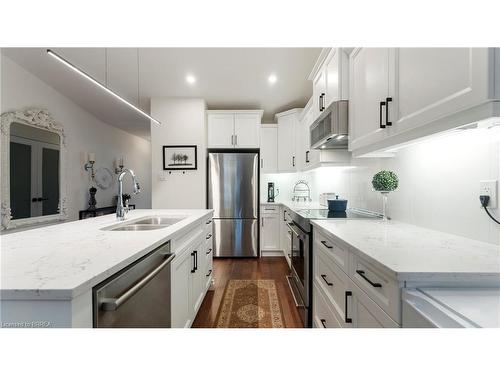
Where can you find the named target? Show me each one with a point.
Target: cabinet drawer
(323, 317)
(339, 254)
(269, 209)
(331, 280)
(380, 287)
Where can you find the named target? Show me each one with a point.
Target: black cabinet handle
(196, 260)
(323, 322)
(209, 273)
(322, 102)
(284, 215)
(34, 199)
(209, 236)
(326, 281)
(319, 103)
(326, 245)
(208, 222)
(348, 293)
(193, 270)
(209, 251)
(382, 125)
(307, 156)
(362, 274)
(387, 101)
(293, 161)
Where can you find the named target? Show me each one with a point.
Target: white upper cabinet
(431, 83)
(369, 89)
(398, 95)
(220, 130)
(233, 129)
(247, 130)
(288, 124)
(330, 78)
(269, 148)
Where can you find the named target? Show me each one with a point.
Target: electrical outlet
(489, 187)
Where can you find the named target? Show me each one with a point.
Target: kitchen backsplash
(439, 183)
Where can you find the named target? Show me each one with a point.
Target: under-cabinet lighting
(340, 136)
(97, 83)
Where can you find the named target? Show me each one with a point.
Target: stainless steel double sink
(146, 223)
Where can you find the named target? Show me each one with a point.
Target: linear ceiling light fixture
(94, 81)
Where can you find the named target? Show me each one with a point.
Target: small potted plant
(385, 182)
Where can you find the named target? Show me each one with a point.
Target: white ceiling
(227, 78)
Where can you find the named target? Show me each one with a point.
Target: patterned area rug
(250, 304)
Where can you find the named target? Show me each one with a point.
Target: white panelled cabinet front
(398, 95)
(288, 124)
(191, 275)
(233, 129)
(270, 228)
(269, 149)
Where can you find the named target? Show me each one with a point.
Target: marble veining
(412, 252)
(64, 260)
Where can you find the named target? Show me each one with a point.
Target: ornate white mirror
(33, 169)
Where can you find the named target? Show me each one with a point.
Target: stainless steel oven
(137, 296)
(299, 279)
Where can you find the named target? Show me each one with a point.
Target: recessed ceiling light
(190, 79)
(272, 79)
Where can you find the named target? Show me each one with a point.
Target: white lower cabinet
(354, 292)
(364, 313)
(191, 274)
(270, 230)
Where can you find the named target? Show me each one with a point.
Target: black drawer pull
(382, 125)
(362, 274)
(323, 322)
(326, 281)
(209, 251)
(209, 273)
(387, 101)
(208, 222)
(348, 293)
(326, 245)
(193, 270)
(209, 236)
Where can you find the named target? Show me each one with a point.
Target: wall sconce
(90, 165)
(119, 165)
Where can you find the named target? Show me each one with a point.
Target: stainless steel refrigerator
(233, 194)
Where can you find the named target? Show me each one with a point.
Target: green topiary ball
(385, 181)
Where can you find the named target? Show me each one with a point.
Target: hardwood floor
(275, 268)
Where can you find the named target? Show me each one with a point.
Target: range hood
(330, 130)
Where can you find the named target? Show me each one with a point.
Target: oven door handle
(298, 235)
(112, 304)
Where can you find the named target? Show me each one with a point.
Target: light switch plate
(489, 187)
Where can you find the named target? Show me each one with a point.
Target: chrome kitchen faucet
(120, 209)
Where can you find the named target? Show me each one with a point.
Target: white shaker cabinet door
(247, 130)
(269, 149)
(286, 143)
(432, 83)
(181, 298)
(369, 86)
(220, 130)
(270, 232)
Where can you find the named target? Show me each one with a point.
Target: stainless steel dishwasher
(137, 296)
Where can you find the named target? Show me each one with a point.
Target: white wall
(183, 123)
(85, 133)
(439, 183)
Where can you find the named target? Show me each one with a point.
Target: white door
(319, 92)
(364, 312)
(220, 130)
(270, 232)
(198, 278)
(333, 76)
(431, 83)
(286, 143)
(182, 307)
(247, 130)
(311, 155)
(269, 149)
(369, 87)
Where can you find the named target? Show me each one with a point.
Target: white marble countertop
(62, 261)
(413, 253)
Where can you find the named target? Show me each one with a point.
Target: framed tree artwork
(180, 158)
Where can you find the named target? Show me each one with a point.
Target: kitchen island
(47, 274)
